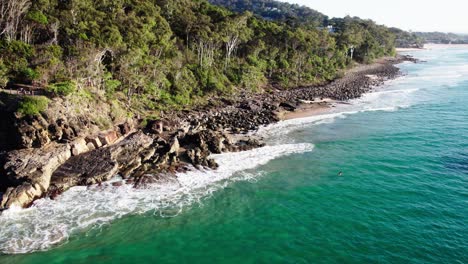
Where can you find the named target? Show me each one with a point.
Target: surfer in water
(340, 173)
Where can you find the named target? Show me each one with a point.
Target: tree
(234, 31)
(11, 15)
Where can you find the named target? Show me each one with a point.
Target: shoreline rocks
(165, 146)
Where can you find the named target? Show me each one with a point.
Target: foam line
(52, 222)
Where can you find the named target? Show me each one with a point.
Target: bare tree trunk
(231, 45)
(27, 34)
(55, 28)
(11, 15)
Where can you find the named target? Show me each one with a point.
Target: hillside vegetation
(148, 55)
(442, 38)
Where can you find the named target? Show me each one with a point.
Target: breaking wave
(52, 222)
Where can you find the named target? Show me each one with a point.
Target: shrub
(33, 105)
(253, 78)
(3, 74)
(37, 16)
(111, 86)
(28, 75)
(62, 88)
(17, 49)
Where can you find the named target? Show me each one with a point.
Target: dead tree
(11, 15)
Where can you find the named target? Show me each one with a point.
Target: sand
(307, 109)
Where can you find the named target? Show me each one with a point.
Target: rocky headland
(44, 156)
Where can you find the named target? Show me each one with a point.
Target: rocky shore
(53, 154)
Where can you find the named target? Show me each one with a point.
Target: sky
(415, 15)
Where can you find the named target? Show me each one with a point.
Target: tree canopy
(151, 54)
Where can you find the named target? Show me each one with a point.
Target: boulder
(79, 146)
(108, 138)
(101, 164)
(29, 171)
(67, 133)
(174, 146)
(90, 146)
(42, 136)
(89, 168)
(125, 128)
(95, 141)
(156, 127)
(290, 106)
(55, 132)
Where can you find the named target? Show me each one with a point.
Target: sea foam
(51, 222)
(382, 99)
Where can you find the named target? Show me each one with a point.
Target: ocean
(383, 179)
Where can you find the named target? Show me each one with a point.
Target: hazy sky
(416, 15)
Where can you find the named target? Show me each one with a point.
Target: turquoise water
(402, 198)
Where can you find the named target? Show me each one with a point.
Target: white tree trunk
(11, 15)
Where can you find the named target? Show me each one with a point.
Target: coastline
(178, 140)
(308, 110)
(409, 49)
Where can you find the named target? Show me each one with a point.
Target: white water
(387, 98)
(52, 222)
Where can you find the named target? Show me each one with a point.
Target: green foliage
(16, 48)
(111, 85)
(441, 38)
(33, 105)
(252, 78)
(3, 74)
(152, 55)
(363, 40)
(276, 10)
(37, 17)
(62, 88)
(28, 74)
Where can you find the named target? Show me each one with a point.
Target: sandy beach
(307, 110)
(409, 49)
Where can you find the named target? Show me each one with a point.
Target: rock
(90, 146)
(68, 133)
(155, 127)
(42, 137)
(102, 164)
(125, 128)
(250, 105)
(185, 127)
(144, 181)
(212, 164)
(174, 146)
(130, 168)
(30, 170)
(95, 141)
(79, 146)
(108, 138)
(290, 106)
(148, 154)
(118, 183)
(55, 132)
(90, 168)
(27, 136)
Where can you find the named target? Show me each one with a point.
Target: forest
(148, 55)
(442, 38)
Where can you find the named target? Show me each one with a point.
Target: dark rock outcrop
(28, 173)
(102, 164)
(68, 153)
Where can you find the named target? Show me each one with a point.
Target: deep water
(402, 196)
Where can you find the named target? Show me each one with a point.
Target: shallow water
(402, 198)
